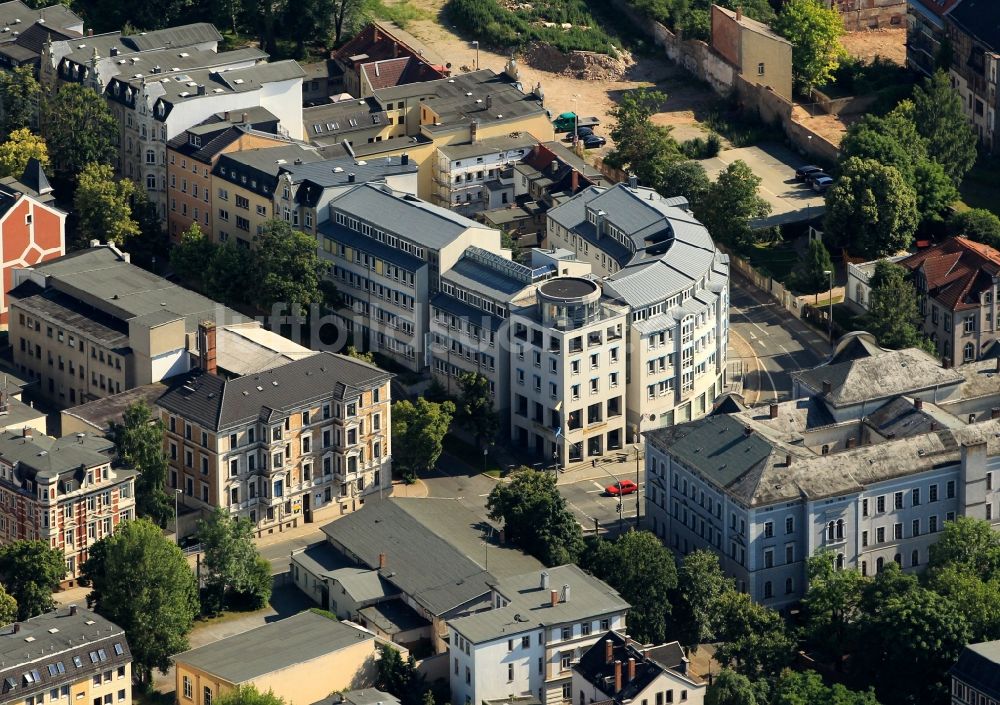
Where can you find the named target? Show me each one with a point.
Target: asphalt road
(778, 341)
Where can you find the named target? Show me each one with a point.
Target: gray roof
(56, 15)
(336, 172)
(57, 639)
(476, 276)
(368, 696)
(466, 312)
(81, 49)
(330, 123)
(517, 141)
(273, 647)
(435, 549)
(46, 457)
(99, 278)
(171, 60)
(219, 404)
(428, 225)
(393, 617)
(100, 413)
(173, 88)
(530, 605)
(979, 667)
(350, 238)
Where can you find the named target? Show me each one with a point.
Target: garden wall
(851, 105)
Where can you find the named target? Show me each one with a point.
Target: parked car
(803, 172)
(594, 141)
(822, 183)
(622, 487)
(583, 131)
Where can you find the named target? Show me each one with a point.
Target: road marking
(598, 485)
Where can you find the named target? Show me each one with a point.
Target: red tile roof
(956, 271)
(398, 72)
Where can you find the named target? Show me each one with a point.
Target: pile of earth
(583, 65)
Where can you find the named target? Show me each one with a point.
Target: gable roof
(979, 18)
(218, 404)
(597, 669)
(956, 271)
(398, 72)
(979, 667)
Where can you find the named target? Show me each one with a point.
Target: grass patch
(740, 128)
(324, 613)
(776, 260)
(979, 189)
(399, 11)
(471, 455)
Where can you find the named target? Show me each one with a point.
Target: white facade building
(478, 175)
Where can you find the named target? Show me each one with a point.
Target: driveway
(791, 200)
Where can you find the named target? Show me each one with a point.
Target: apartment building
(975, 677)
(657, 260)
(478, 175)
(760, 56)
(925, 32)
(957, 292)
(25, 30)
(387, 251)
(376, 58)
(69, 654)
(470, 315)
(91, 324)
(568, 371)
(303, 441)
(973, 33)
(870, 469)
(244, 184)
(193, 154)
(301, 659)
(32, 228)
(63, 491)
(500, 653)
(619, 670)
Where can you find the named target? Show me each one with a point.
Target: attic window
(239, 81)
(353, 122)
(195, 140)
(317, 129)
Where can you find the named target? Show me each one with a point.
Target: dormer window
(194, 140)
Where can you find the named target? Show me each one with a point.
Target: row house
(304, 441)
(25, 30)
(63, 491)
(972, 28)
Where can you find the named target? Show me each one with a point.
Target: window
(188, 689)
(969, 352)
(564, 661)
(567, 633)
(510, 672)
(768, 529)
(950, 489)
(897, 531)
(880, 504)
(207, 696)
(760, 69)
(789, 525)
(915, 497)
(933, 493)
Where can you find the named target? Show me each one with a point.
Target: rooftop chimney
(72, 610)
(207, 351)
(851, 442)
(565, 593)
(489, 101)
(114, 51)
(351, 178)
(474, 131)
(381, 561)
(827, 387)
(599, 225)
(618, 676)
(553, 598)
(26, 431)
(747, 431)
(225, 116)
(788, 460)
(574, 186)
(201, 89)
(90, 32)
(545, 580)
(934, 426)
(404, 159)
(995, 412)
(739, 13)
(773, 409)
(918, 403)
(946, 363)
(244, 118)
(609, 650)
(17, 627)
(631, 669)
(633, 180)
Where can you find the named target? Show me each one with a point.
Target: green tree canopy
(731, 203)
(941, 121)
(79, 129)
(190, 256)
(832, 605)
(814, 31)
(287, 266)
(810, 274)
(142, 582)
(248, 695)
(139, 442)
(977, 224)
(807, 688)
(20, 97)
(8, 607)
(731, 688)
(400, 678)
(475, 408)
(968, 544)
(978, 599)
(934, 190)
(700, 585)
(230, 559)
(535, 516)
(872, 209)
(21, 146)
(684, 177)
(31, 571)
(418, 429)
(641, 146)
(642, 570)
(892, 308)
(103, 206)
(756, 641)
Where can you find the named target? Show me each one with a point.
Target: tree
(642, 570)
(535, 516)
(810, 274)
(700, 585)
(21, 146)
(79, 129)
(832, 605)
(20, 95)
(103, 205)
(814, 31)
(969, 544)
(978, 599)
(139, 443)
(730, 204)
(891, 140)
(756, 640)
(731, 688)
(248, 695)
(684, 178)
(190, 255)
(418, 429)
(976, 224)
(31, 572)
(400, 678)
(141, 581)
(230, 559)
(475, 408)
(352, 351)
(288, 268)
(872, 209)
(941, 121)
(935, 191)
(8, 607)
(807, 688)
(892, 308)
(345, 14)
(225, 274)
(508, 242)
(641, 146)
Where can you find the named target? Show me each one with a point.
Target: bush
(699, 148)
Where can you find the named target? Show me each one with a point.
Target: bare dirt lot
(887, 43)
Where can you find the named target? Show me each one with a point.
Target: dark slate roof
(261, 166)
(45, 457)
(56, 15)
(328, 123)
(900, 418)
(596, 669)
(979, 667)
(338, 233)
(316, 176)
(101, 413)
(35, 36)
(368, 696)
(218, 404)
(71, 314)
(34, 178)
(393, 617)
(466, 312)
(47, 648)
(273, 647)
(981, 19)
(185, 35)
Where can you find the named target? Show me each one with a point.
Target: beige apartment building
(761, 56)
(306, 441)
(63, 491)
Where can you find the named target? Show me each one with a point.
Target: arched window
(840, 561)
(768, 591)
(969, 352)
(150, 156)
(840, 528)
(915, 558)
(879, 564)
(150, 181)
(864, 567)
(898, 559)
(830, 530)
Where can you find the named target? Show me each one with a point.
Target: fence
(766, 283)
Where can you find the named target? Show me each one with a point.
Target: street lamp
(475, 43)
(829, 273)
(177, 527)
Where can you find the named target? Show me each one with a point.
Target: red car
(622, 487)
